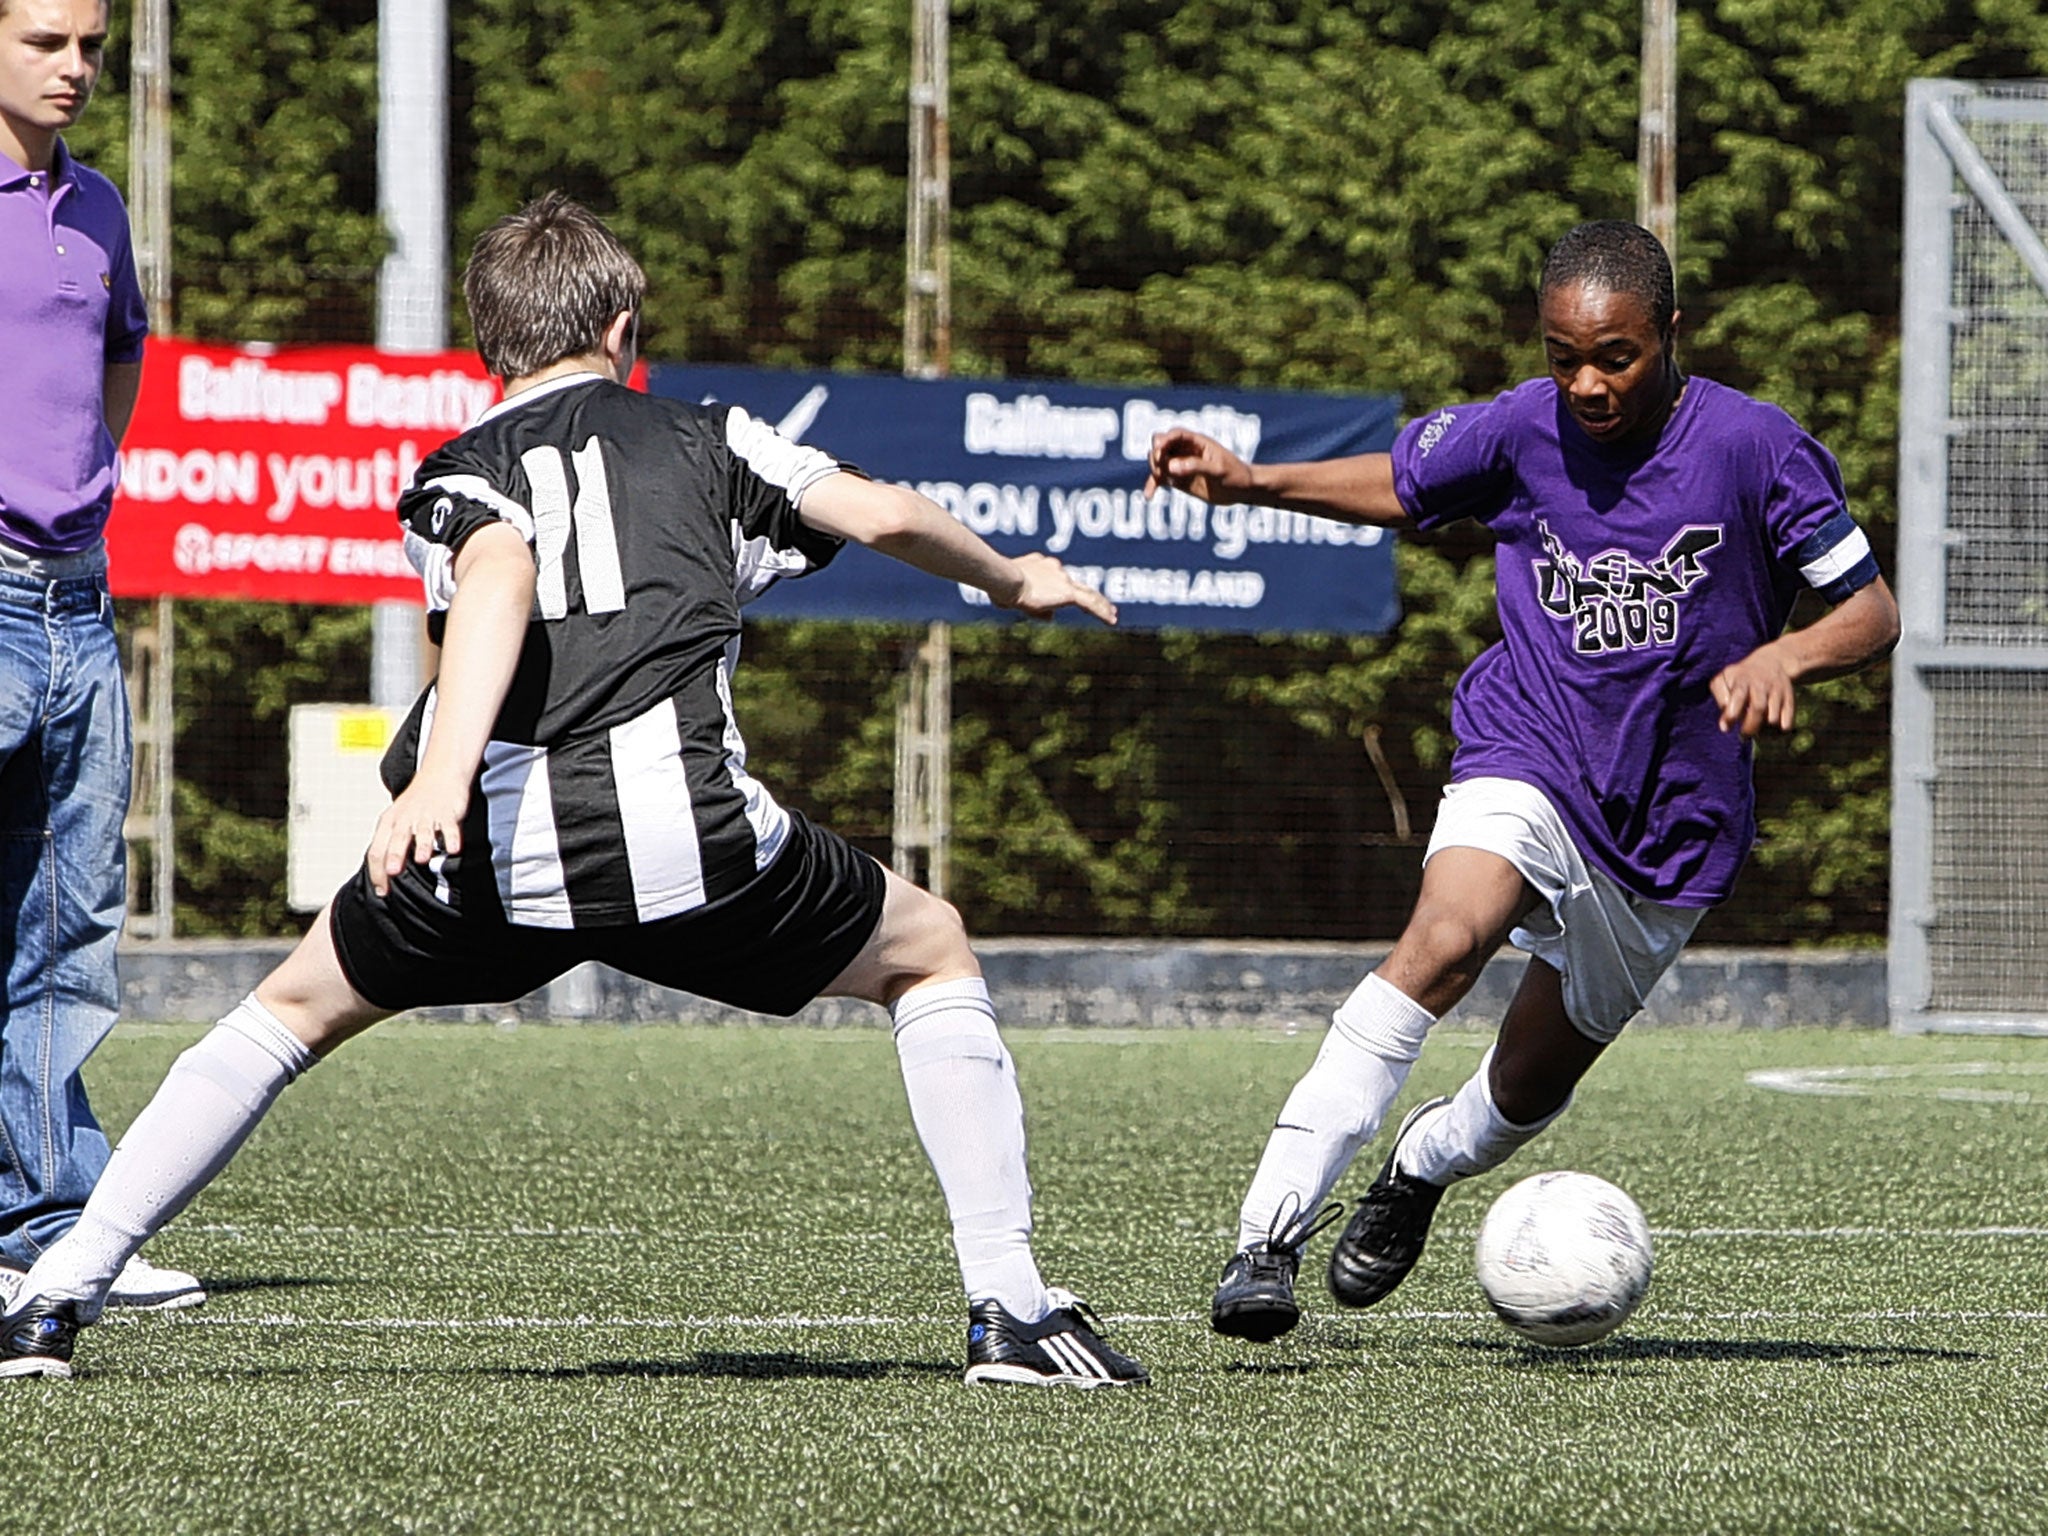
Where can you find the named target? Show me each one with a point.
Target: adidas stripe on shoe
(1061, 1349)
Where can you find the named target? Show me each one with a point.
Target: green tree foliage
(275, 234)
(1330, 194)
(239, 668)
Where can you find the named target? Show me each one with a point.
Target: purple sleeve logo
(1433, 432)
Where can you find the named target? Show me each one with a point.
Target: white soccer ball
(1564, 1258)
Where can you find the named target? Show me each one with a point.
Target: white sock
(208, 1104)
(1469, 1135)
(1337, 1106)
(970, 1117)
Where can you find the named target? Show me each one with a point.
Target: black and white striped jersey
(614, 789)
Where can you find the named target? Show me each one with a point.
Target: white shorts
(1609, 944)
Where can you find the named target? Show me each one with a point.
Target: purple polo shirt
(69, 305)
(1627, 577)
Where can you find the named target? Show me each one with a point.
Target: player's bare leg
(1522, 1084)
(310, 995)
(969, 1115)
(1470, 901)
(209, 1102)
(920, 940)
(1540, 1055)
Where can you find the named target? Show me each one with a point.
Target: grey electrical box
(336, 795)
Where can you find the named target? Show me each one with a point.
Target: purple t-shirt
(69, 305)
(1627, 577)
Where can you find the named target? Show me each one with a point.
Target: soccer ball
(1564, 1258)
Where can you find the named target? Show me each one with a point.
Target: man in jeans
(71, 326)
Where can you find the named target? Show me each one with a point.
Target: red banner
(274, 472)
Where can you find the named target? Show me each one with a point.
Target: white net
(1988, 941)
(1997, 533)
(1970, 888)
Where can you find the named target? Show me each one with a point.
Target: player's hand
(1201, 466)
(1755, 692)
(424, 820)
(1048, 587)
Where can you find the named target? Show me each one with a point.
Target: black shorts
(769, 948)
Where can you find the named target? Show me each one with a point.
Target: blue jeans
(65, 749)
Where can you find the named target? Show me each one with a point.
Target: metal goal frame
(1969, 890)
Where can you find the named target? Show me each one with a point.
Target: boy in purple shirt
(72, 321)
(1654, 531)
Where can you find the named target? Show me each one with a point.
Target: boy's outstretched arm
(909, 527)
(1758, 690)
(487, 617)
(1358, 489)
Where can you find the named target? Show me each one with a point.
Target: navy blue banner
(1061, 468)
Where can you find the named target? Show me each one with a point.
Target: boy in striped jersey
(1654, 531)
(573, 787)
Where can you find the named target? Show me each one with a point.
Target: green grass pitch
(666, 1279)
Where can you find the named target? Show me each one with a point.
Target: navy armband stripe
(1835, 559)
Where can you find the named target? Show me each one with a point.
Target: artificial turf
(664, 1279)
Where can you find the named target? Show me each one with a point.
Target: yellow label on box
(366, 731)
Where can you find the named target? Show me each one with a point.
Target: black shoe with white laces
(1256, 1297)
(1062, 1349)
(1384, 1237)
(37, 1340)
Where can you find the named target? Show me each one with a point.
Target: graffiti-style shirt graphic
(1627, 577)
(1615, 602)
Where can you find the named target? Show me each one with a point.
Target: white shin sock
(969, 1115)
(205, 1108)
(1469, 1135)
(1337, 1106)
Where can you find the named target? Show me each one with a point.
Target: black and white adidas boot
(38, 1339)
(1062, 1349)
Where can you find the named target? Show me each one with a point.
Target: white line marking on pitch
(488, 1324)
(240, 1231)
(1902, 1081)
(798, 1323)
(1860, 1234)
